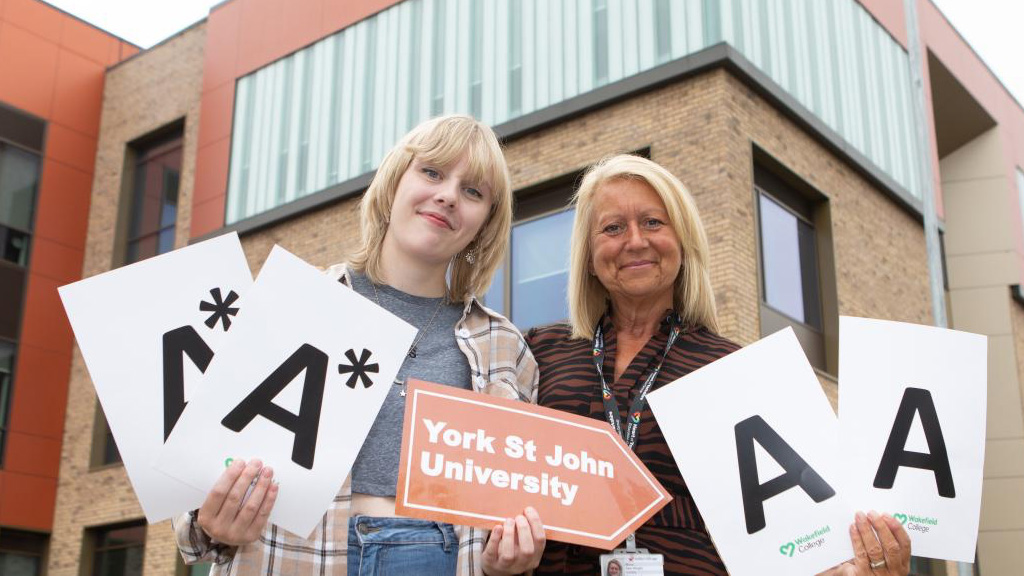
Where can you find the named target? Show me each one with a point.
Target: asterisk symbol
(221, 308)
(358, 368)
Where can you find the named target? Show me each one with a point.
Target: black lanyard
(611, 407)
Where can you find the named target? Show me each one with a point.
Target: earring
(470, 256)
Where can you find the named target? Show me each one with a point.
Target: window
(104, 449)
(19, 181)
(19, 178)
(531, 288)
(789, 260)
(148, 219)
(22, 553)
(7, 351)
(154, 198)
(797, 277)
(115, 550)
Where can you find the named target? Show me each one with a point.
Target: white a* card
(298, 386)
(147, 332)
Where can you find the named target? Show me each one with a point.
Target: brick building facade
(746, 136)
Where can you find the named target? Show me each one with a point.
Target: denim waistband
(377, 530)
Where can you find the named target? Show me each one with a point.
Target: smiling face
(635, 252)
(437, 211)
(614, 569)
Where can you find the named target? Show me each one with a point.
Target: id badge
(635, 562)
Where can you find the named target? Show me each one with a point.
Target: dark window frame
(137, 152)
(537, 201)
(92, 545)
(786, 189)
(39, 549)
(810, 324)
(164, 140)
(143, 155)
(31, 132)
(101, 456)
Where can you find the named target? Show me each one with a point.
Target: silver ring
(877, 565)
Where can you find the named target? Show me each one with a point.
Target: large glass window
(152, 217)
(22, 553)
(540, 269)
(789, 262)
(531, 288)
(796, 270)
(154, 201)
(19, 180)
(117, 550)
(501, 61)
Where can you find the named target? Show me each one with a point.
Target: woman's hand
(515, 546)
(225, 517)
(879, 541)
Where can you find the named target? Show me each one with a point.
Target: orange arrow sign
(475, 460)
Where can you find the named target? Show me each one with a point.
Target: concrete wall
(982, 263)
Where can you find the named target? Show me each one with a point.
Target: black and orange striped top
(569, 382)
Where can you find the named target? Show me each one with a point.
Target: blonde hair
(692, 297)
(443, 141)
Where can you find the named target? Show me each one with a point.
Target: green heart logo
(901, 517)
(228, 461)
(787, 549)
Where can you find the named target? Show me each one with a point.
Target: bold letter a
(178, 343)
(797, 471)
(919, 401)
(306, 423)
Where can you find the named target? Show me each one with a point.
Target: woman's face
(614, 570)
(437, 211)
(635, 252)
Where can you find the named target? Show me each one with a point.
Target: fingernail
(531, 510)
(860, 516)
(268, 472)
(872, 514)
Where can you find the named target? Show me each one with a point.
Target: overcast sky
(992, 27)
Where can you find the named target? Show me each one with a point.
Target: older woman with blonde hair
(641, 315)
(435, 227)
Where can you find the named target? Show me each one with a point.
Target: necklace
(423, 331)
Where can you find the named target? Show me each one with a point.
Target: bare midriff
(369, 505)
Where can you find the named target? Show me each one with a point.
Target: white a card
(912, 404)
(755, 439)
(147, 332)
(298, 386)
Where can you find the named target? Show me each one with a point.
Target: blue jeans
(400, 546)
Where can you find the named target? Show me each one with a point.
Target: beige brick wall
(701, 129)
(141, 95)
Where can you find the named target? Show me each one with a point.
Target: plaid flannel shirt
(500, 365)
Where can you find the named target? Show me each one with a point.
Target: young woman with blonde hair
(435, 227)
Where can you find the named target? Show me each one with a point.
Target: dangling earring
(470, 256)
